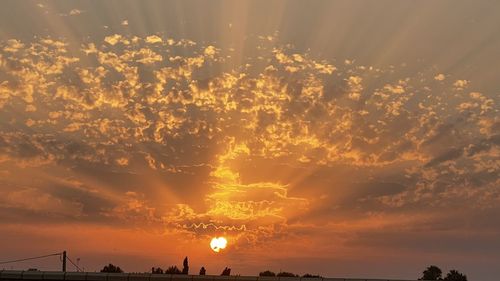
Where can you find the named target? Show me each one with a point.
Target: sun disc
(218, 243)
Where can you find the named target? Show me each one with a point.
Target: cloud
(75, 12)
(153, 39)
(35, 200)
(114, 39)
(460, 84)
(158, 131)
(439, 77)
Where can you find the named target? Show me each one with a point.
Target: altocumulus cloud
(157, 132)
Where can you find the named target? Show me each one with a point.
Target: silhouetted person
(226, 272)
(431, 273)
(202, 271)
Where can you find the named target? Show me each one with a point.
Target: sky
(340, 138)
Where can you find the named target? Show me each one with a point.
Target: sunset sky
(340, 138)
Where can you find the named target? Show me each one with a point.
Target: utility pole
(64, 262)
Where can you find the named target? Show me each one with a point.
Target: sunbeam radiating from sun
(337, 130)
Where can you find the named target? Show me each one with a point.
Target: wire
(32, 258)
(77, 267)
(45, 256)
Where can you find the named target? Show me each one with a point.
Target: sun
(218, 243)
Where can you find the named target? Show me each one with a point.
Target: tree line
(434, 273)
(287, 274)
(111, 268)
(430, 273)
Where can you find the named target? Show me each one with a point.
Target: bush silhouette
(173, 270)
(111, 268)
(286, 274)
(202, 271)
(454, 275)
(307, 275)
(267, 273)
(431, 273)
(156, 270)
(226, 272)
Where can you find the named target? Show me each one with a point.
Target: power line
(32, 258)
(62, 256)
(77, 267)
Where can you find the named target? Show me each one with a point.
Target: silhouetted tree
(173, 270)
(454, 275)
(226, 272)
(267, 273)
(185, 266)
(156, 270)
(307, 275)
(286, 274)
(432, 273)
(202, 271)
(111, 268)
